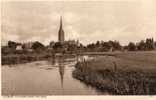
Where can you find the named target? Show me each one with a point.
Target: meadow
(124, 73)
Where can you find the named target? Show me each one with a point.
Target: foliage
(104, 46)
(37, 46)
(146, 45)
(72, 46)
(131, 46)
(12, 44)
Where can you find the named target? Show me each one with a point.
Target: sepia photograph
(86, 48)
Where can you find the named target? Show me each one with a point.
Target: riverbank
(22, 58)
(26, 58)
(131, 73)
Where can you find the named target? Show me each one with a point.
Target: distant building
(62, 45)
(19, 47)
(28, 46)
(72, 42)
(61, 32)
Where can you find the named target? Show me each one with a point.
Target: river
(42, 78)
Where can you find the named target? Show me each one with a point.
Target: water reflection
(61, 69)
(49, 78)
(60, 63)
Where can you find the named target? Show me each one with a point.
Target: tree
(57, 45)
(149, 44)
(5, 50)
(141, 45)
(52, 43)
(116, 45)
(12, 44)
(131, 46)
(97, 43)
(37, 46)
(91, 47)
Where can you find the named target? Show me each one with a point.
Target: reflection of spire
(61, 71)
(53, 60)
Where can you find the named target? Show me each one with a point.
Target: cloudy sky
(86, 21)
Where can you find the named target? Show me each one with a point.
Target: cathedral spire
(61, 22)
(61, 32)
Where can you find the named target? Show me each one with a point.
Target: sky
(86, 21)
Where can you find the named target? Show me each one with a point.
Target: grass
(131, 73)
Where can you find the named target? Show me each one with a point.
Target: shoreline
(26, 58)
(22, 58)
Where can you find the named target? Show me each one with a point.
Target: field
(121, 73)
(142, 61)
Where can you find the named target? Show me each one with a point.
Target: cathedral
(61, 37)
(61, 32)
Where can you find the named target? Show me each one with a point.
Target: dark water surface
(52, 77)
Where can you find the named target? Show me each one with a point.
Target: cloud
(71, 17)
(86, 21)
(12, 37)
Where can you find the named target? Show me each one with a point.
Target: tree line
(143, 45)
(73, 46)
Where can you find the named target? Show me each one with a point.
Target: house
(19, 47)
(28, 46)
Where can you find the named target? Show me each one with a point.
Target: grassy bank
(131, 73)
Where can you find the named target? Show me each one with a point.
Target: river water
(42, 78)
